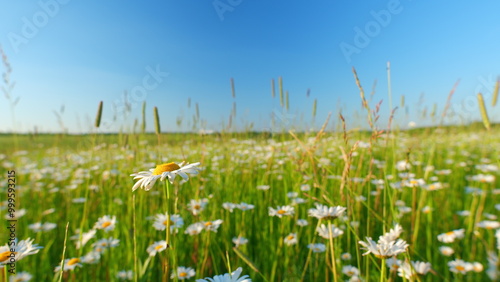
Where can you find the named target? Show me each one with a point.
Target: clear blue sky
(77, 53)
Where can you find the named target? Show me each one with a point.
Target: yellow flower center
(106, 224)
(208, 223)
(5, 255)
(73, 261)
(158, 247)
(450, 233)
(290, 237)
(165, 167)
(168, 222)
(281, 212)
(183, 274)
(460, 268)
(196, 207)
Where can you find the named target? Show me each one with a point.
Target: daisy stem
(382, 271)
(309, 254)
(332, 251)
(167, 229)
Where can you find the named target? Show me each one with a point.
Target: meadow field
(417, 205)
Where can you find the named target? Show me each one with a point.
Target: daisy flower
(228, 277)
(449, 237)
(91, 257)
(212, 225)
(329, 232)
(317, 248)
(350, 270)
(86, 236)
(238, 241)
(345, 256)
(302, 222)
(489, 224)
(245, 206)
(290, 239)
(106, 223)
(20, 277)
(416, 268)
(103, 244)
(446, 251)
(156, 247)
(325, 212)
(384, 248)
(393, 263)
(183, 273)
(229, 206)
(197, 206)
(194, 229)
(161, 221)
(125, 275)
(281, 211)
(69, 264)
(263, 187)
(22, 249)
(146, 179)
(459, 266)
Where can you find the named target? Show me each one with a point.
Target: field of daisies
(417, 205)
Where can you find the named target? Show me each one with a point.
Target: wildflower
(103, 244)
(194, 229)
(212, 225)
(22, 249)
(350, 270)
(168, 170)
(302, 222)
(263, 187)
(345, 256)
(477, 267)
(393, 263)
(69, 264)
(449, 237)
(325, 212)
(91, 257)
(290, 239)
(197, 206)
(106, 223)
(384, 248)
(459, 266)
(21, 277)
(305, 187)
(292, 194)
(329, 232)
(446, 251)
(489, 224)
(416, 268)
(228, 277)
(85, 237)
(157, 247)
(238, 241)
(281, 211)
(161, 221)
(317, 248)
(125, 275)
(245, 206)
(492, 271)
(483, 178)
(183, 273)
(434, 186)
(229, 206)
(412, 183)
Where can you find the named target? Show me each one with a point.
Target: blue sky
(73, 54)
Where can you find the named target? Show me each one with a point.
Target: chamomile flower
(197, 206)
(69, 264)
(125, 275)
(157, 247)
(238, 241)
(183, 273)
(350, 270)
(459, 266)
(325, 212)
(302, 222)
(416, 268)
(161, 221)
(329, 232)
(146, 179)
(489, 224)
(212, 225)
(228, 277)
(384, 248)
(104, 244)
(195, 228)
(22, 249)
(244, 206)
(106, 223)
(20, 277)
(451, 236)
(317, 248)
(345, 256)
(290, 239)
(281, 211)
(91, 257)
(86, 236)
(229, 206)
(446, 251)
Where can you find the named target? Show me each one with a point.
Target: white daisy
(384, 248)
(20, 277)
(161, 221)
(290, 239)
(156, 247)
(228, 277)
(325, 212)
(281, 211)
(194, 229)
(106, 223)
(449, 237)
(212, 225)
(317, 248)
(328, 232)
(69, 264)
(168, 170)
(183, 273)
(238, 241)
(22, 249)
(125, 275)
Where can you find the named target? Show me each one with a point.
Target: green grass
(233, 166)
